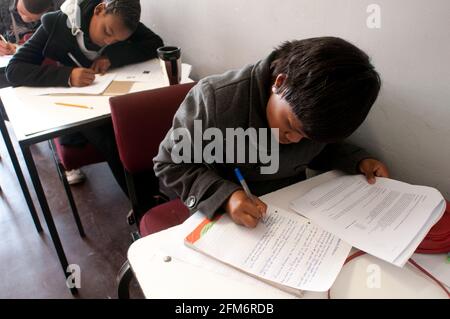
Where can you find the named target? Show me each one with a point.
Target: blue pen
(244, 184)
(245, 187)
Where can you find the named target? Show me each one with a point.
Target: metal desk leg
(18, 170)
(45, 208)
(66, 185)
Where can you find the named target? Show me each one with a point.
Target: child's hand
(243, 210)
(371, 168)
(101, 65)
(7, 48)
(82, 77)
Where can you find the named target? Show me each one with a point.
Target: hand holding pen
(6, 48)
(243, 207)
(80, 76)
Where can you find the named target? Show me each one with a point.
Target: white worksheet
(148, 71)
(100, 84)
(139, 72)
(388, 219)
(284, 249)
(4, 60)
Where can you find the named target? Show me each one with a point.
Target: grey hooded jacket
(238, 99)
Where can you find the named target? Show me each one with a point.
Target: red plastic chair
(141, 121)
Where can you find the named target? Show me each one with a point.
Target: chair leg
(123, 281)
(63, 178)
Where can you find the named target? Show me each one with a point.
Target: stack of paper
(183, 253)
(284, 250)
(388, 219)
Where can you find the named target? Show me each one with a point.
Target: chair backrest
(141, 121)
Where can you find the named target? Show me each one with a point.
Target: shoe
(75, 176)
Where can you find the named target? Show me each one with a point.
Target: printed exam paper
(388, 219)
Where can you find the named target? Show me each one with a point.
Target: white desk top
(192, 275)
(30, 114)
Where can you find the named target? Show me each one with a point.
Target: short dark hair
(128, 10)
(331, 85)
(37, 6)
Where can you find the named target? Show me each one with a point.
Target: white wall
(409, 126)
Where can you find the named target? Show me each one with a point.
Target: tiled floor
(29, 267)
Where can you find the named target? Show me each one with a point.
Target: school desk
(165, 270)
(34, 119)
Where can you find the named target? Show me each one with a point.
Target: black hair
(37, 6)
(330, 84)
(128, 10)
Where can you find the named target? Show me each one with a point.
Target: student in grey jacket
(316, 92)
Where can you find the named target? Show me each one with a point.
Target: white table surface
(192, 275)
(4, 60)
(30, 114)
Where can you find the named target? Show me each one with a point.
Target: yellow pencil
(75, 105)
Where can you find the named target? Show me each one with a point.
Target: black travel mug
(170, 58)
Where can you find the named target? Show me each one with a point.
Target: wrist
(360, 163)
(70, 80)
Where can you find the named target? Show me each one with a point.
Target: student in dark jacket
(316, 92)
(19, 19)
(96, 34)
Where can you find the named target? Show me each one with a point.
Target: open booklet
(285, 250)
(387, 220)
